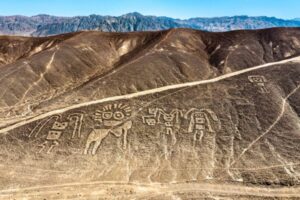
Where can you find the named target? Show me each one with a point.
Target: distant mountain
(237, 22)
(44, 25)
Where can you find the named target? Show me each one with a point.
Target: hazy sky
(170, 8)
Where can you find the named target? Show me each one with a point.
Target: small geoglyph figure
(74, 120)
(53, 136)
(260, 82)
(169, 120)
(150, 119)
(78, 119)
(201, 122)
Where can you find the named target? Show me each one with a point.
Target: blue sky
(172, 8)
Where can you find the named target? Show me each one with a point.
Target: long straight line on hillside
(146, 92)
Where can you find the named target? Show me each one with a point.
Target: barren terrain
(177, 114)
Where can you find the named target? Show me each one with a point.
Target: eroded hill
(47, 73)
(157, 115)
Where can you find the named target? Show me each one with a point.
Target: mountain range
(45, 25)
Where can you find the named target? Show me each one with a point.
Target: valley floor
(115, 190)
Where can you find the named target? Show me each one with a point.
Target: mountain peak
(133, 14)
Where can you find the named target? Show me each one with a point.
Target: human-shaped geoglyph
(200, 122)
(204, 124)
(112, 118)
(260, 82)
(169, 120)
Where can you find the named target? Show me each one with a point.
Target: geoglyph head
(113, 114)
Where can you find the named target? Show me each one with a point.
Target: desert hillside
(175, 114)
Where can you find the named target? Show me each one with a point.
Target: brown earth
(178, 114)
